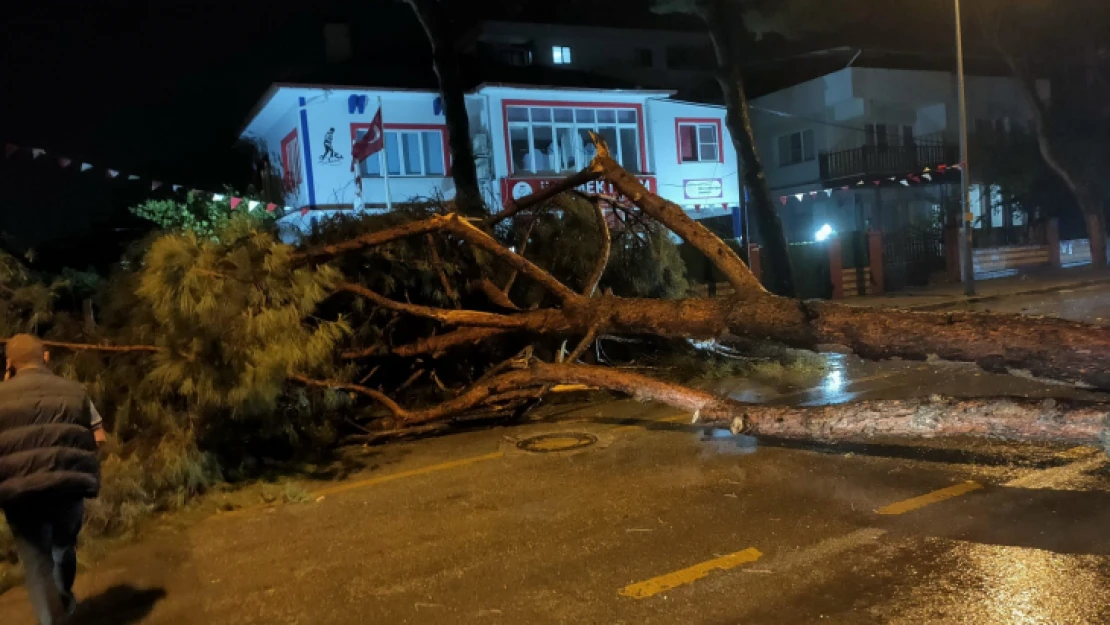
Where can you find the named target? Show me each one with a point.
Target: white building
(831, 139)
(524, 137)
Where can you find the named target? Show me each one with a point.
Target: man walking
(49, 432)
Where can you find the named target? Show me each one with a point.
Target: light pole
(967, 267)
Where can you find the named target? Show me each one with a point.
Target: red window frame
(289, 169)
(698, 121)
(505, 104)
(357, 126)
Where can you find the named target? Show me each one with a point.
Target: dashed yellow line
(915, 503)
(443, 466)
(663, 583)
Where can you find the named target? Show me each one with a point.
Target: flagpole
(385, 160)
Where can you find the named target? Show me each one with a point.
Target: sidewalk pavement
(952, 293)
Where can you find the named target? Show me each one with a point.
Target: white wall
(703, 189)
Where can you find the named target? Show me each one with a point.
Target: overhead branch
(673, 217)
(602, 254)
(373, 239)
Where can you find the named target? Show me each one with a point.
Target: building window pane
(433, 153)
(569, 149)
(626, 117)
(519, 145)
(698, 143)
(392, 154)
(609, 135)
(564, 115)
(589, 150)
(541, 115)
(630, 152)
(799, 147)
(584, 116)
(560, 55)
(687, 143)
(543, 153)
(410, 141)
(606, 116)
(517, 114)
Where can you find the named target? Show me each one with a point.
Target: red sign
(516, 188)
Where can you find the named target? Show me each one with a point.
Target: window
(408, 153)
(560, 55)
(644, 57)
(690, 57)
(556, 140)
(698, 142)
(798, 148)
(517, 56)
(291, 162)
(907, 136)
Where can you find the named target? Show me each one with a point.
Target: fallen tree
(346, 321)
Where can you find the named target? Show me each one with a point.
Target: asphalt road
(653, 520)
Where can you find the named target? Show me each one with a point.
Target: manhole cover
(564, 441)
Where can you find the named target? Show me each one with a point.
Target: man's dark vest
(46, 439)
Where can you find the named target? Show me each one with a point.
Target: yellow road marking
(443, 466)
(910, 505)
(663, 583)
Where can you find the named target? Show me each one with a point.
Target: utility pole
(967, 267)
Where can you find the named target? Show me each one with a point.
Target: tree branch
(515, 206)
(443, 315)
(672, 216)
(452, 294)
(603, 254)
(91, 347)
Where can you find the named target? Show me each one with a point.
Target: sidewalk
(948, 294)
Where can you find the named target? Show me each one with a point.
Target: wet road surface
(625, 513)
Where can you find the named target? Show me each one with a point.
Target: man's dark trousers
(45, 527)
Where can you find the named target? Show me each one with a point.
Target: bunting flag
(799, 196)
(893, 179)
(9, 149)
(270, 207)
(859, 184)
(175, 187)
(154, 184)
(905, 183)
(86, 167)
(37, 152)
(63, 162)
(928, 177)
(132, 177)
(218, 197)
(812, 194)
(878, 182)
(253, 204)
(941, 168)
(845, 187)
(783, 199)
(235, 202)
(828, 192)
(112, 173)
(926, 170)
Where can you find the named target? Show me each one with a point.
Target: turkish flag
(371, 143)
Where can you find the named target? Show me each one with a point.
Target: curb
(986, 298)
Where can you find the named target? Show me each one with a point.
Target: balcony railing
(894, 160)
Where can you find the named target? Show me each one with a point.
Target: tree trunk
(777, 271)
(468, 197)
(1089, 205)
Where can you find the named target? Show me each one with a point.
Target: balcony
(882, 161)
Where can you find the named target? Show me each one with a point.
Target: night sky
(160, 89)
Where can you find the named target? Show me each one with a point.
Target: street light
(967, 267)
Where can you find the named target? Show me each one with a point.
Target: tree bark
(433, 18)
(723, 26)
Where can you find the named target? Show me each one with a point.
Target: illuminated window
(556, 140)
(560, 55)
(408, 153)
